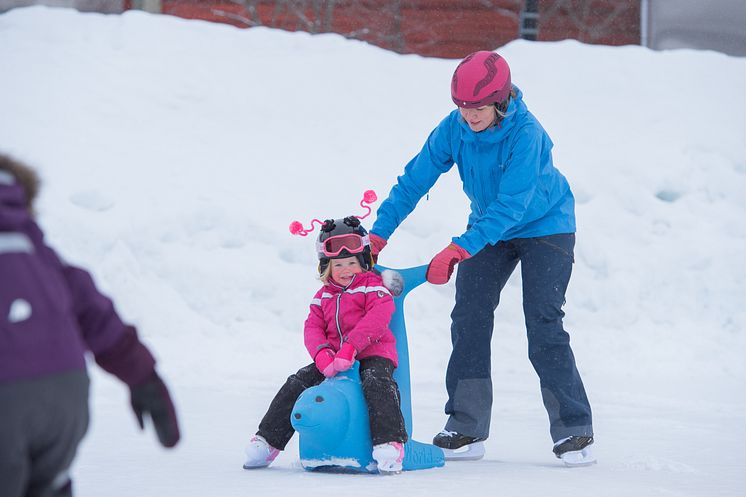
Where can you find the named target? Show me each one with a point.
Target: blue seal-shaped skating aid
(332, 419)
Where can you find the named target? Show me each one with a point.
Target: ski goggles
(351, 242)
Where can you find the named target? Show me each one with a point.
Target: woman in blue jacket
(522, 209)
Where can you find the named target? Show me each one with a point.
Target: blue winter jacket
(507, 173)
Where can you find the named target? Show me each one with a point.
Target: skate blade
(579, 458)
(471, 452)
(389, 472)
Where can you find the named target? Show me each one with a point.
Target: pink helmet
(482, 78)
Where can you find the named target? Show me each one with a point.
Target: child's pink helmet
(482, 78)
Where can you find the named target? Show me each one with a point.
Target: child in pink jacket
(348, 321)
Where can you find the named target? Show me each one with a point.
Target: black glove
(151, 397)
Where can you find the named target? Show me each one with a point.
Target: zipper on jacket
(336, 318)
(474, 189)
(336, 311)
(486, 186)
(483, 186)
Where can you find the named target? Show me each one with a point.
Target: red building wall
(604, 22)
(439, 28)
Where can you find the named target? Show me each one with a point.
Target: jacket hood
(516, 110)
(14, 212)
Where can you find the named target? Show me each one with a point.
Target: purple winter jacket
(51, 312)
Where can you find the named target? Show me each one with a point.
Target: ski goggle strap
(369, 196)
(351, 242)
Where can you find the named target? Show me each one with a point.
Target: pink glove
(345, 357)
(441, 267)
(376, 245)
(325, 362)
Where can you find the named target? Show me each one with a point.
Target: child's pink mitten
(344, 359)
(325, 362)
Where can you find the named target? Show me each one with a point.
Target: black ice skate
(575, 451)
(458, 447)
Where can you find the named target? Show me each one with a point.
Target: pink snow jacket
(358, 314)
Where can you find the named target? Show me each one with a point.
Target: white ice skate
(389, 457)
(259, 454)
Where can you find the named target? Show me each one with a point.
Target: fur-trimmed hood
(16, 172)
(19, 185)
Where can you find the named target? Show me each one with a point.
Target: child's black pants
(379, 388)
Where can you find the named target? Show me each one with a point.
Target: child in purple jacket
(348, 320)
(51, 314)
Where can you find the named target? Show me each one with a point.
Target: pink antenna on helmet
(297, 228)
(369, 196)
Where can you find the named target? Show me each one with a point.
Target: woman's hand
(441, 267)
(376, 245)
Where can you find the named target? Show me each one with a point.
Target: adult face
(480, 118)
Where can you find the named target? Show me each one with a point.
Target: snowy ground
(175, 154)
